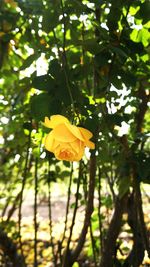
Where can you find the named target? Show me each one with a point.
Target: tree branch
(67, 261)
(113, 232)
(89, 209)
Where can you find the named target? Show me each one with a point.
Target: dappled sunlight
(74, 133)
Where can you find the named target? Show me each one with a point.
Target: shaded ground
(58, 214)
(58, 208)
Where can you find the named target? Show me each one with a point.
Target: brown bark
(136, 255)
(108, 255)
(73, 255)
(89, 209)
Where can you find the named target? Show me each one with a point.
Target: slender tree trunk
(72, 255)
(108, 255)
(89, 210)
(136, 255)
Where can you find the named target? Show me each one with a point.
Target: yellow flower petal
(65, 152)
(86, 133)
(62, 134)
(76, 145)
(65, 155)
(75, 131)
(80, 154)
(55, 120)
(47, 122)
(90, 144)
(49, 140)
(69, 155)
(66, 141)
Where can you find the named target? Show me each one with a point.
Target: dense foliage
(89, 61)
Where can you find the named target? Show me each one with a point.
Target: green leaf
(103, 83)
(114, 15)
(50, 20)
(92, 46)
(134, 47)
(67, 164)
(117, 82)
(91, 123)
(115, 119)
(44, 105)
(27, 125)
(75, 264)
(44, 83)
(51, 177)
(143, 36)
(143, 166)
(124, 184)
(55, 68)
(29, 61)
(102, 58)
(144, 12)
(119, 51)
(64, 174)
(107, 201)
(128, 78)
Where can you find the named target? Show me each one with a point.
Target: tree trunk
(108, 255)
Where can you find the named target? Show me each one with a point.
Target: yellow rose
(66, 141)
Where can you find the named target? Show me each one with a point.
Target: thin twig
(67, 251)
(21, 193)
(67, 211)
(143, 228)
(68, 203)
(93, 244)
(50, 216)
(64, 57)
(89, 208)
(35, 212)
(110, 186)
(99, 212)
